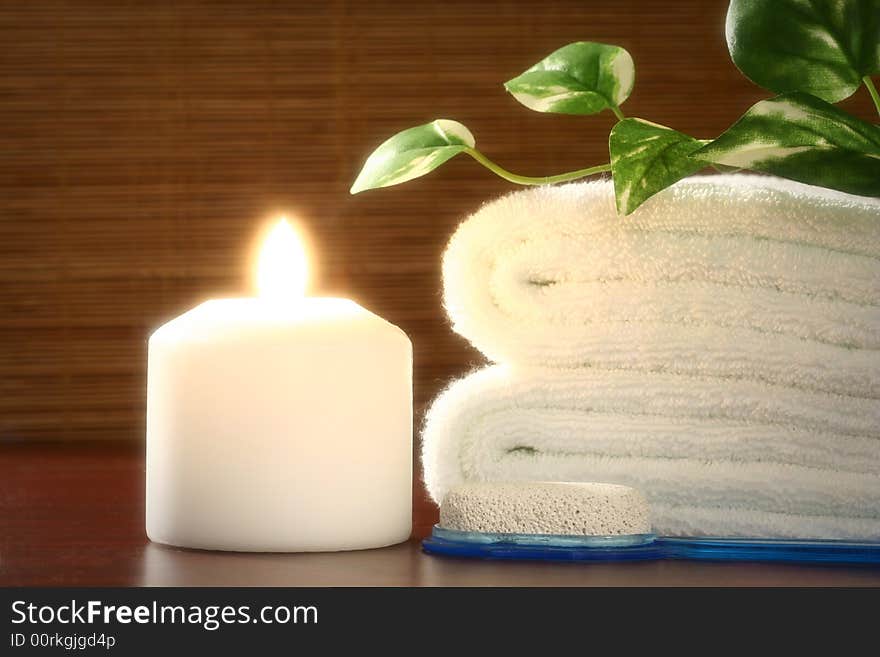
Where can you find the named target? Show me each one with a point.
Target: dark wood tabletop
(72, 515)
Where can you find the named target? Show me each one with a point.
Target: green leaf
(822, 47)
(801, 137)
(646, 158)
(580, 78)
(413, 153)
(722, 168)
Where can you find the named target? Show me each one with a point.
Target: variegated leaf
(801, 137)
(646, 158)
(413, 153)
(580, 78)
(821, 47)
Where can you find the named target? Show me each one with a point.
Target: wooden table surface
(72, 515)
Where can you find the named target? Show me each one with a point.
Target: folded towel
(714, 457)
(741, 277)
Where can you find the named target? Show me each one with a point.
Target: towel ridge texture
(733, 276)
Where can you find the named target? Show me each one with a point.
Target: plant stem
(617, 112)
(529, 180)
(869, 83)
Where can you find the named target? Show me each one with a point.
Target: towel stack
(719, 350)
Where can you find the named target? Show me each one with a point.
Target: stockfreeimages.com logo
(209, 617)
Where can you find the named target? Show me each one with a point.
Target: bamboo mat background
(144, 144)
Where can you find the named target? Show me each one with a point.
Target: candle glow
(282, 266)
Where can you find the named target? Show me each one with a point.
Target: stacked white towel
(719, 349)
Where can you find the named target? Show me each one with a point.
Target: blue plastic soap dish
(643, 547)
(780, 550)
(542, 547)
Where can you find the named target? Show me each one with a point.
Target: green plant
(811, 52)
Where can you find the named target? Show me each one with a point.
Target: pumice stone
(572, 509)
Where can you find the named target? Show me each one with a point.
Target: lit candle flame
(282, 267)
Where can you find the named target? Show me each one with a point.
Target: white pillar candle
(279, 423)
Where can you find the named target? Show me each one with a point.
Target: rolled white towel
(713, 457)
(742, 277)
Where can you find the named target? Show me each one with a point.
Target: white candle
(279, 423)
